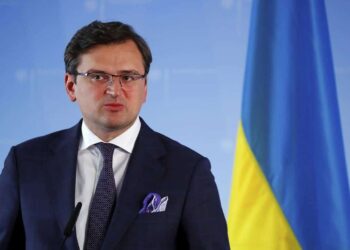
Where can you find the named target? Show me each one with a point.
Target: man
(138, 188)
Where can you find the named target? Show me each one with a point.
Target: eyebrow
(121, 72)
(130, 72)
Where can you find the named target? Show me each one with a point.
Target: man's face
(108, 115)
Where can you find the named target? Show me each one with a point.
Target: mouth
(113, 106)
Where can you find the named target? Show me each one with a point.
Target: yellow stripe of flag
(255, 220)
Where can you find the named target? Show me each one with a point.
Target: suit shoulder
(159, 142)
(46, 140)
(173, 146)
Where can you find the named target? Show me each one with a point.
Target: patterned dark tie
(102, 204)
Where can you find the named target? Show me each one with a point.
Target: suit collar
(143, 173)
(60, 166)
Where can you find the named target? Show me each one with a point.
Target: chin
(118, 125)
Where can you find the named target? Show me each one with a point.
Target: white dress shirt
(89, 166)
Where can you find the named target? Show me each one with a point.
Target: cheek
(88, 97)
(137, 96)
(143, 94)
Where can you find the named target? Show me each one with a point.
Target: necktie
(102, 203)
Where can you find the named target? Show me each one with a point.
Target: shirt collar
(125, 141)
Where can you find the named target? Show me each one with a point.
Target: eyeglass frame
(110, 80)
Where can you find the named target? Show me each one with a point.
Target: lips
(113, 106)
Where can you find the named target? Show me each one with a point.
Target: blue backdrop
(195, 83)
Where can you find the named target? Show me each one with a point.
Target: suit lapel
(142, 175)
(61, 164)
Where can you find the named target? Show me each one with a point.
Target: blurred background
(196, 78)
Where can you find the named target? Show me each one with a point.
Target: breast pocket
(153, 230)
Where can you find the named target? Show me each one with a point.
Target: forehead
(112, 57)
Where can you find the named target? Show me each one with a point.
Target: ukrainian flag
(290, 186)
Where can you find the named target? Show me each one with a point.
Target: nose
(112, 89)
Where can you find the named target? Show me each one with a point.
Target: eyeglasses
(126, 80)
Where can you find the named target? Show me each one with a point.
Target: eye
(98, 77)
(128, 78)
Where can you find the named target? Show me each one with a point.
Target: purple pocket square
(153, 203)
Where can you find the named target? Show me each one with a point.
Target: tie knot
(106, 149)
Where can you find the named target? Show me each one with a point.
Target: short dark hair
(100, 33)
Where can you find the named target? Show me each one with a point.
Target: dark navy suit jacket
(37, 188)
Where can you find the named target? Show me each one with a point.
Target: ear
(70, 86)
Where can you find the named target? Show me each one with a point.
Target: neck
(107, 134)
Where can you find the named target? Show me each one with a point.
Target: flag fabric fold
(290, 186)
